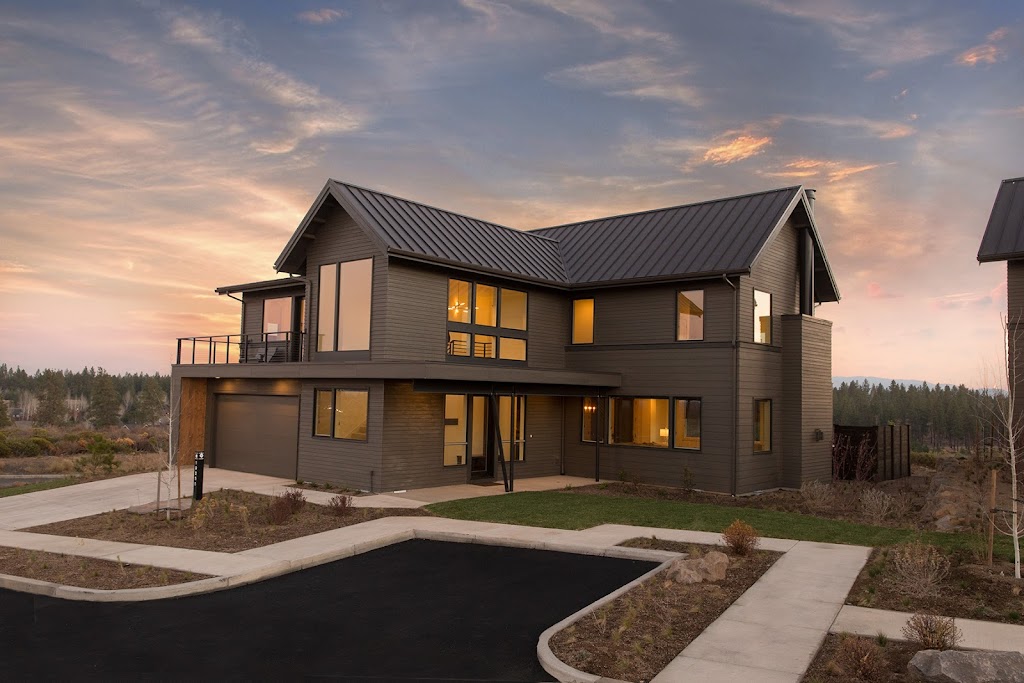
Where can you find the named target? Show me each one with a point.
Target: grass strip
(19, 489)
(561, 510)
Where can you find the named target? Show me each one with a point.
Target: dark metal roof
(1004, 236)
(708, 239)
(278, 283)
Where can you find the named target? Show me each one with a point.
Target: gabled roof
(1004, 236)
(707, 239)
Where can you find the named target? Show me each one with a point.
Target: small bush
(920, 568)
(923, 458)
(875, 505)
(282, 507)
(817, 494)
(860, 659)
(932, 632)
(97, 463)
(296, 500)
(340, 505)
(741, 538)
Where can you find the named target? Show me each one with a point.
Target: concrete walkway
(978, 635)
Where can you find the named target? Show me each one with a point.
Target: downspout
(735, 384)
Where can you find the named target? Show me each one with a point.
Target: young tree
(105, 402)
(5, 415)
(53, 399)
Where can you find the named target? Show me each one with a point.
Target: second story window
(277, 318)
(690, 315)
(583, 321)
(762, 317)
(343, 310)
(486, 321)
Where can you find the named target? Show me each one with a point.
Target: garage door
(257, 434)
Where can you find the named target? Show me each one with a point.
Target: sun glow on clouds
(738, 148)
(989, 52)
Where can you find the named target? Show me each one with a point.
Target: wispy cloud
(989, 52)
(829, 170)
(609, 18)
(877, 75)
(642, 77)
(732, 147)
(325, 15)
(881, 129)
(876, 291)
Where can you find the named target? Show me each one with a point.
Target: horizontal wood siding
(338, 461)
(760, 372)
(543, 455)
(814, 377)
(1015, 290)
(776, 272)
(417, 313)
(548, 326)
(340, 239)
(692, 372)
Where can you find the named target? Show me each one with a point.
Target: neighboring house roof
(1004, 235)
(724, 236)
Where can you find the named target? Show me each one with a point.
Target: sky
(152, 151)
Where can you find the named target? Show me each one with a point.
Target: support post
(497, 439)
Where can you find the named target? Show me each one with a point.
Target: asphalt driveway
(415, 611)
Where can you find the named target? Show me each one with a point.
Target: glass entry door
(482, 442)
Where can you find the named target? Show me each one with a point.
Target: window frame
(336, 309)
(595, 420)
(673, 428)
(593, 321)
(468, 416)
(755, 421)
(771, 319)
(334, 394)
(468, 432)
(497, 332)
(611, 423)
(703, 295)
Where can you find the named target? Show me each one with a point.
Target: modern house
(412, 346)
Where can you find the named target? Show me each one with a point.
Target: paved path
(980, 635)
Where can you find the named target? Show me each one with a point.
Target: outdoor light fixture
(663, 432)
(819, 435)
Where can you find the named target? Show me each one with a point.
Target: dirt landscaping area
(637, 635)
(87, 572)
(127, 463)
(225, 521)
(843, 658)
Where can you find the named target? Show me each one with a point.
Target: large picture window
(583, 321)
(690, 315)
(486, 322)
(341, 413)
(687, 424)
(762, 425)
(460, 435)
(638, 421)
(762, 317)
(344, 306)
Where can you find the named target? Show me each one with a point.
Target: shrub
(741, 538)
(340, 505)
(817, 494)
(875, 505)
(282, 507)
(920, 567)
(932, 632)
(860, 658)
(923, 458)
(98, 462)
(296, 499)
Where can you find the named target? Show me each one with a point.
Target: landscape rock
(955, 666)
(712, 567)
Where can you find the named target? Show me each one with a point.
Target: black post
(197, 476)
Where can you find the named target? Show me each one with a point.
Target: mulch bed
(233, 521)
(828, 666)
(970, 591)
(638, 634)
(87, 572)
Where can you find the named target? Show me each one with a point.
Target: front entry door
(482, 444)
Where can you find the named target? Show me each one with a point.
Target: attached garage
(257, 434)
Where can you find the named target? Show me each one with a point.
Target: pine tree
(105, 402)
(149, 404)
(53, 404)
(5, 415)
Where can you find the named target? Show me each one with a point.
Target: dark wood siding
(1015, 319)
(776, 272)
(807, 383)
(760, 373)
(417, 313)
(338, 461)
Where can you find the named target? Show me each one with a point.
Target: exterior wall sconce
(663, 432)
(819, 435)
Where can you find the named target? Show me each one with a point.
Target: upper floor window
(583, 321)
(344, 306)
(485, 321)
(762, 425)
(762, 317)
(277, 318)
(690, 315)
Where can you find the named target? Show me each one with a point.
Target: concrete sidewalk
(978, 635)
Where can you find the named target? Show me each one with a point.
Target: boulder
(956, 666)
(711, 567)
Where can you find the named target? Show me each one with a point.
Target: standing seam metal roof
(1004, 235)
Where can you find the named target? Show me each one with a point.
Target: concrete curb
(559, 669)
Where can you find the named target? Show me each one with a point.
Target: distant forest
(939, 416)
(24, 391)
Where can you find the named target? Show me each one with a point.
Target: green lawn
(41, 486)
(561, 510)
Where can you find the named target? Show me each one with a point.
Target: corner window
(762, 425)
(583, 321)
(344, 305)
(341, 413)
(690, 315)
(638, 421)
(687, 427)
(589, 420)
(762, 317)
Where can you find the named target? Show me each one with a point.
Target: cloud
(730, 148)
(324, 15)
(636, 76)
(877, 75)
(900, 95)
(608, 18)
(881, 129)
(876, 291)
(961, 300)
(830, 170)
(988, 52)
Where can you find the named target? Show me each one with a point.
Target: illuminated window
(484, 346)
(475, 310)
(459, 301)
(762, 317)
(344, 305)
(690, 315)
(341, 413)
(590, 428)
(486, 311)
(458, 343)
(638, 421)
(513, 309)
(455, 423)
(512, 349)
(687, 427)
(762, 425)
(583, 321)
(324, 411)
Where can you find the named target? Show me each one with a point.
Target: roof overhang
(262, 286)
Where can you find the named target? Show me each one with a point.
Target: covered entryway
(257, 434)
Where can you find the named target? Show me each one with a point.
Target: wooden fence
(875, 453)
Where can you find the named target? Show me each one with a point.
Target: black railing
(269, 347)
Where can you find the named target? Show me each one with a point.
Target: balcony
(269, 347)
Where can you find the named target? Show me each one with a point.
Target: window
(455, 441)
(505, 422)
(341, 413)
(583, 321)
(344, 306)
(638, 421)
(277, 318)
(590, 428)
(762, 317)
(690, 315)
(476, 335)
(762, 425)
(687, 427)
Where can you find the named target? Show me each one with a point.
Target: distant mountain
(884, 381)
